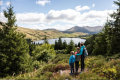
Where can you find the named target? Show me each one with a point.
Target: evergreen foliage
(70, 47)
(60, 45)
(107, 42)
(45, 40)
(56, 45)
(64, 44)
(13, 47)
(79, 44)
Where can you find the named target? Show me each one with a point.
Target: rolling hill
(78, 29)
(94, 29)
(39, 34)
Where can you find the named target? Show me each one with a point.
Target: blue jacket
(81, 51)
(72, 59)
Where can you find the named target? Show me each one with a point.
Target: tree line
(107, 42)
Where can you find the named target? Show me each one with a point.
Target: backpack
(85, 52)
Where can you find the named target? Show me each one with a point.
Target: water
(52, 41)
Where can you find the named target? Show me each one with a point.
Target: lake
(52, 41)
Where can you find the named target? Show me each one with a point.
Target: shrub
(48, 74)
(49, 67)
(60, 57)
(44, 52)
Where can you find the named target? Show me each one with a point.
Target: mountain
(40, 34)
(94, 29)
(78, 29)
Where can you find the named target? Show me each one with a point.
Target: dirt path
(69, 71)
(66, 72)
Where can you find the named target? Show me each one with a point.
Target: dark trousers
(76, 65)
(72, 67)
(82, 62)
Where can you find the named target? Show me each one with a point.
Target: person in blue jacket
(82, 56)
(71, 62)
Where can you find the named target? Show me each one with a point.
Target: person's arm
(81, 51)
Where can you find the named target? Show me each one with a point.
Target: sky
(59, 14)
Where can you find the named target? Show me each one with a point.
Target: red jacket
(76, 53)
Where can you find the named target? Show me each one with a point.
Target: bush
(48, 74)
(44, 52)
(49, 67)
(60, 57)
(85, 76)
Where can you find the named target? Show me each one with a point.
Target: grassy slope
(39, 34)
(98, 68)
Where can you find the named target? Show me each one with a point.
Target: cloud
(57, 26)
(2, 17)
(30, 18)
(68, 16)
(42, 2)
(114, 5)
(93, 5)
(1, 2)
(79, 8)
(8, 3)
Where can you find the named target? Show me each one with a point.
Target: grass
(98, 68)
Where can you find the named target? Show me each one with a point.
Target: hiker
(82, 56)
(77, 59)
(71, 62)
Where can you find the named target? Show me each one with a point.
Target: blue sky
(59, 14)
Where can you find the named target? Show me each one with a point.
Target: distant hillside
(39, 34)
(94, 29)
(78, 29)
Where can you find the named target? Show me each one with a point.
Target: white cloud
(1, 2)
(30, 18)
(2, 17)
(68, 16)
(8, 3)
(79, 8)
(114, 5)
(42, 2)
(93, 5)
(57, 26)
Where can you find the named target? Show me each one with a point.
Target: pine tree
(56, 45)
(115, 29)
(64, 44)
(79, 44)
(70, 47)
(60, 43)
(13, 47)
(45, 40)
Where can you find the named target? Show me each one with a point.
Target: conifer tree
(45, 40)
(64, 44)
(79, 44)
(56, 45)
(13, 47)
(60, 43)
(70, 47)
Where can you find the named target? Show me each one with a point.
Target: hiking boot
(70, 73)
